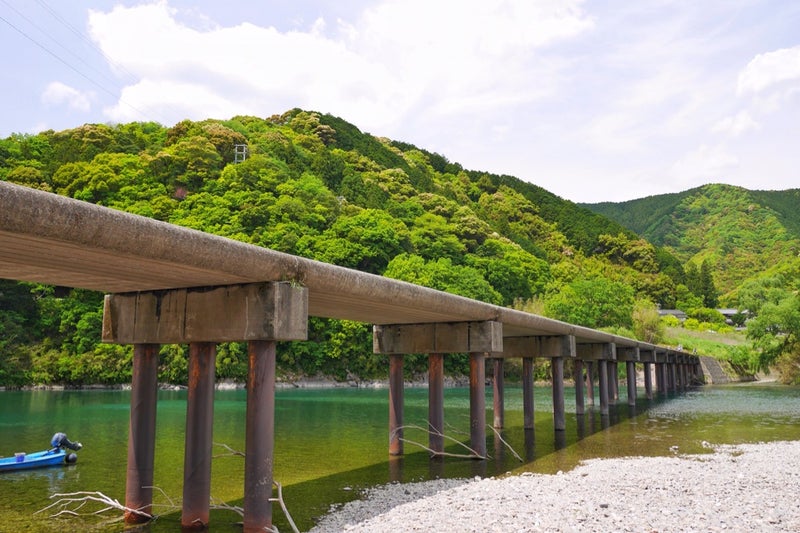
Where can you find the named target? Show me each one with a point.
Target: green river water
(330, 443)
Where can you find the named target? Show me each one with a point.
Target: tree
(775, 333)
(443, 275)
(647, 323)
(367, 241)
(594, 303)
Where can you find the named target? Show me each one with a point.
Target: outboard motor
(60, 440)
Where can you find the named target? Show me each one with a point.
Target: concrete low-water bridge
(166, 284)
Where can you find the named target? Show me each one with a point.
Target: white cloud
(769, 69)
(57, 93)
(706, 164)
(398, 58)
(736, 125)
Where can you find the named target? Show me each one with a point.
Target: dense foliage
(743, 242)
(731, 232)
(315, 186)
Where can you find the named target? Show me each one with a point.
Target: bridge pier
(631, 375)
(603, 356)
(590, 369)
(396, 391)
(259, 435)
(602, 375)
(647, 356)
(198, 440)
(259, 313)
(556, 348)
(630, 355)
(527, 392)
(475, 338)
(436, 402)
(142, 432)
(559, 417)
(477, 403)
(498, 392)
(613, 382)
(577, 371)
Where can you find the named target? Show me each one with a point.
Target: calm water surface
(332, 442)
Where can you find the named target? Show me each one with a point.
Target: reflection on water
(332, 442)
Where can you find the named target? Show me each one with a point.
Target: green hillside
(314, 185)
(739, 233)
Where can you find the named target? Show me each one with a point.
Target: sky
(591, 100)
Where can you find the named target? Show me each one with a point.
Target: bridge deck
(51, 239)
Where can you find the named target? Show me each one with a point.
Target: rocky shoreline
(741, 488)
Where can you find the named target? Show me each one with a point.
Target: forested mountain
(314, 185)
(739, 234)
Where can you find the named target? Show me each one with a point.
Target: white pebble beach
(747, 488)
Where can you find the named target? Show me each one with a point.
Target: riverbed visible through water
(331, 443)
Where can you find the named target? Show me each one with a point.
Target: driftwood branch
(231, 451)
(279, 499)
(240, 510)
(71, 503)
(471, 455)
(507, 445)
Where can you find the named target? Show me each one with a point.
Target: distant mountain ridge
(740, 232)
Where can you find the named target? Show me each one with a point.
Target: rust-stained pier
(167, 284)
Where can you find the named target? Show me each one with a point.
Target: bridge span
(167, 284)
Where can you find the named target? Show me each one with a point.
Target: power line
(84, 37)
(67, 63)
(53, 39)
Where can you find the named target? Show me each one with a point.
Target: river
(330, 443)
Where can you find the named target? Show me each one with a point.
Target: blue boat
(55, 456)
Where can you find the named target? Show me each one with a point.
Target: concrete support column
(673, 377)
(631, 371)
(580, 406)
(602, 373)
(498, 399)
(613, 382)
(527, 392)
(660, 383)
(395, 404)
(142, 432)
(648, 380)
(259, 436)
(477, 403)
(199, 426)
(436, 402)
(557, 366)
(590, 381)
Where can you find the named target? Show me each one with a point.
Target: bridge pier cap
(455, 337)
(232, 313)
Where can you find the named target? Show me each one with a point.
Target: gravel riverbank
(749, 487)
